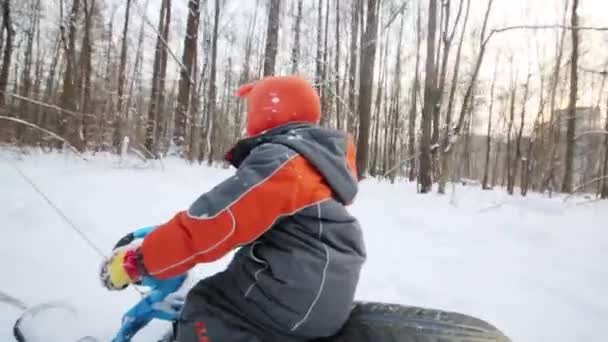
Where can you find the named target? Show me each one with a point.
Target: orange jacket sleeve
(272, 182)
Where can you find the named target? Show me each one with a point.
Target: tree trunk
(211, 96)
(509, 156)
(319, 56)
(86, 70)
(430, 100)
(295, 52)
(8, 49)
(366, 72)
(337, 60)
(414, 103)
(555, 120)
(69, 94)
(26, 76)
(325, 80)
(154, 127)
(352, 75)
(245, 72)
(119, 129)
(396, 108)
(604, 191)
(447, 37)
(272, 38)
(453, 134)
(186, 83)
(486, 170)
(518, 152)
(571, 131)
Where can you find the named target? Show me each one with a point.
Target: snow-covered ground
(535, 267)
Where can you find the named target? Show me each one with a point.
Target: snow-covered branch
(29, 124)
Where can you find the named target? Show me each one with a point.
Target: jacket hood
(326, 149)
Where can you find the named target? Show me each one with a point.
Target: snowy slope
(535, 267)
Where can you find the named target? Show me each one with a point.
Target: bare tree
(446, 37)
(604, 189)
(571, 131)
(295, 51)
(186, 83)
(414, 102)
(212, 90)
(272, 37)
(452, 134)
(352, 75)
(337, 60)
(518, 151)
(430, 100)
(69, 94)
(484, 182)
(86, 71)
(366, 72)
(157, 94)
(118, 123)
(319, 56)
(509, 156)
(8, 49)
(396, 109)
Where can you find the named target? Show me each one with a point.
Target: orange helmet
(278, 100)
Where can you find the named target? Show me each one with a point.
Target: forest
(492, 93)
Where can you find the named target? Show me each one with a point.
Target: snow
(535, 267)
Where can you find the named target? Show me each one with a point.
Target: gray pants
(206, 317)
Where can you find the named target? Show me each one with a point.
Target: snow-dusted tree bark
(8, 49)
(272, 37)
(366, 72)
(571, 131)
(186, 83)
(295, 51)
(425, 179)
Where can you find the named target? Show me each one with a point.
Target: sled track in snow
(30, 313)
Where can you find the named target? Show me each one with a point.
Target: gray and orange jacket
(302, 252)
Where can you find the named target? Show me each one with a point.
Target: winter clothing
(296, 273)
(278, 100)
(301, 252)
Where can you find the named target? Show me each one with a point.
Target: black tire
(378, 322)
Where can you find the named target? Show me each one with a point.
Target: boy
(295, 274)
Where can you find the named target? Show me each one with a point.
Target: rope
(58, 211)
(65, 218)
